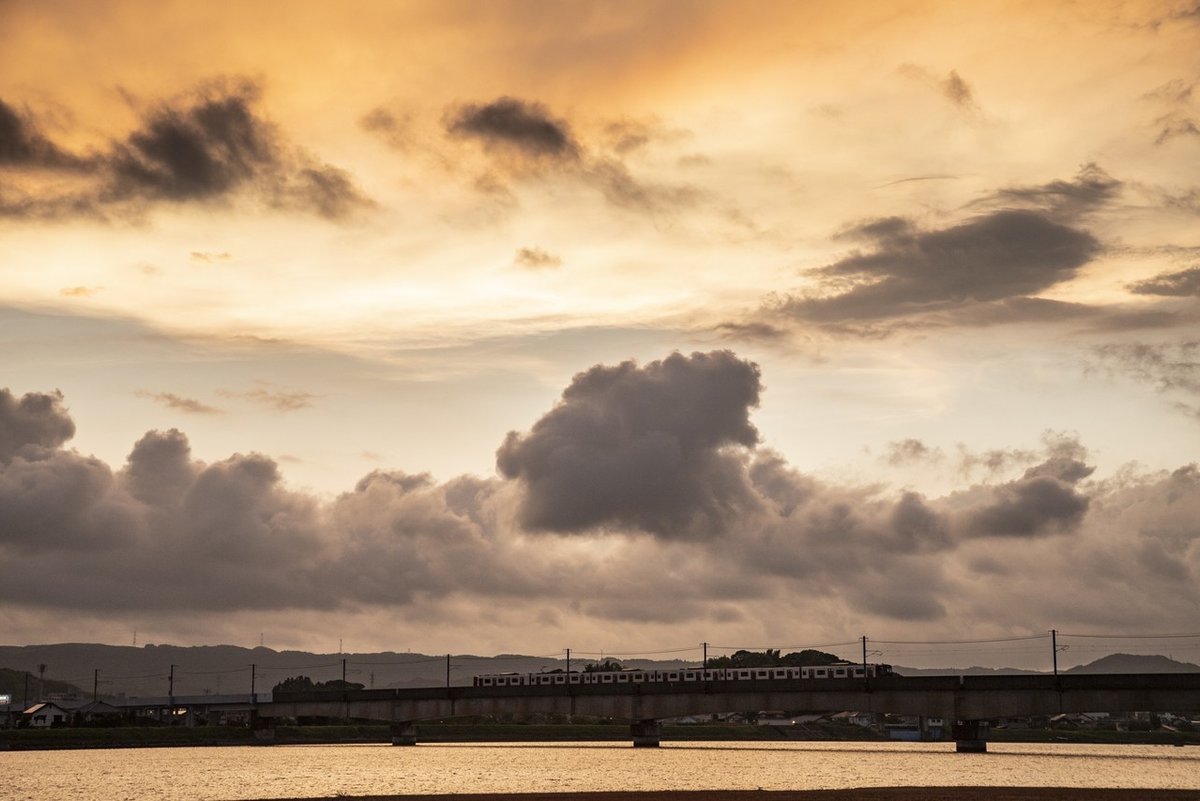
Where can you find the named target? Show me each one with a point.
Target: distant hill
(14, 683)
(1135, 663)
(970, 671)
(227, 669)
(217, 669)
(1113, 663)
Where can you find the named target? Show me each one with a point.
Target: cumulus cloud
(647, 447)
(674, 516)
(37, 419)
(210, 145)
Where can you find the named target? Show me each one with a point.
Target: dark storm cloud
(208, 146)
(37, 419)
(518, 125)
(1001, 255)
(649, 447)
(1181, 284)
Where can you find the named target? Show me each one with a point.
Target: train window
(606, 678)
(781, 673)
(672, 677)
(858, 671)
(575, 678)
(841, 671)
(822, 673)
(762, 674)
(560, 679)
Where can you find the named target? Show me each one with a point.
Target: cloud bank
(641, 498)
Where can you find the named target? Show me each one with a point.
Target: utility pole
(25, 695)
(42, 682)
(447, 671)
(864, 641)
(96, 684)
(1054, 649)
(568, 666)
(705, 660)
(253, 676)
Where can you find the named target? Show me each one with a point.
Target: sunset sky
(513, 326)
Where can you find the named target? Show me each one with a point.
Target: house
(46, 714)
(95, 713)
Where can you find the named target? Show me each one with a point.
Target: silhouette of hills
(145, 671)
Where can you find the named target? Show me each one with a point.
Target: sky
(517, 326)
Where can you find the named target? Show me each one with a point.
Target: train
(837, 670)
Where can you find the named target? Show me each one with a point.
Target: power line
(961, 642)
(1133, 636)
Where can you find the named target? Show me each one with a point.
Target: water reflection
(212, 774)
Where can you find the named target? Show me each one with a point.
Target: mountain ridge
(201, 669)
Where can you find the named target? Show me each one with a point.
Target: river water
(204, 774)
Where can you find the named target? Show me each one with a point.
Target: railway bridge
(964, 701)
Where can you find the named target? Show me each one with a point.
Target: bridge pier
(404, 733)
(970, 736)
(646, 733)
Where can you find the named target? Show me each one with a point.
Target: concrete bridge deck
(953, 698)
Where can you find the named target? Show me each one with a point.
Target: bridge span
(964, 701)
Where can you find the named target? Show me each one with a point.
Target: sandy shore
(864, 794)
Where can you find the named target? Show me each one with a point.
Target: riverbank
(169, 736)
(863, 794)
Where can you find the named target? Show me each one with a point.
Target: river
(218, 774)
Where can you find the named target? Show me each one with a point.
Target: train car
(837, 670)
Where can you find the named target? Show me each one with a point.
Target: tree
(299, 684)
(608, 665)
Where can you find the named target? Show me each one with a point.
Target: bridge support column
(646, 733)
(404, 733)
(970, 736)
